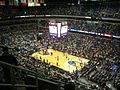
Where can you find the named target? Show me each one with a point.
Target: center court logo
(72, 62)
(75, 63)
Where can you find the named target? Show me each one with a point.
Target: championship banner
(23, 3)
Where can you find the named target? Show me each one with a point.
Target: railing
(34, 81)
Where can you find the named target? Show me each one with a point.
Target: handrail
(17, 67)
(69, 16)
(18, 85)
(65, 16)
(32, 74)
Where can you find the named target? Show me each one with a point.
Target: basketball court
(61, 60)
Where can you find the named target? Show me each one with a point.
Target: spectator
(6, 57)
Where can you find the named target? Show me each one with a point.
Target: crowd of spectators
(27, 45)
(96, 26)
(105, 11)
(101, 52)
(84, 10)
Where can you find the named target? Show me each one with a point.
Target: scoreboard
(64, 28)
(58, 29)
(53, 29)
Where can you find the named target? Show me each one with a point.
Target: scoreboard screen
(58, 29)
(64, 28)
(53, 29)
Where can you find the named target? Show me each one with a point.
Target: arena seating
(83, 10)
(102, 10)
(98, 49)
(102, 52)
(96, 26)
